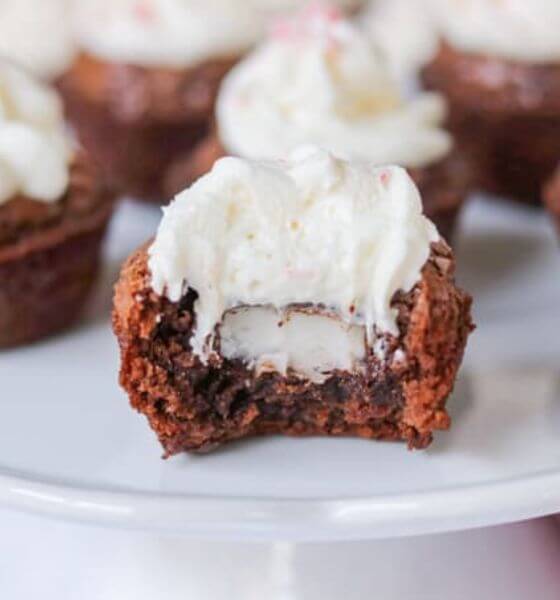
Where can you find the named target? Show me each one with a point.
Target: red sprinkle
(321, 11)
(144, 11)
(385, 178)
(305, 22)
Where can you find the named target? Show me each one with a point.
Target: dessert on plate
(37, 35)
(498, 65)
(320, 80)
(141, 92)
(53, 213)
(307, 296)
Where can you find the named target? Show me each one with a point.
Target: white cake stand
(71, 448)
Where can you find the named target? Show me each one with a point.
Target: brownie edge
(196, 407)
(50, 256)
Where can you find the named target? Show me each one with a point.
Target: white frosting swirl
(313, 229)
(524, 30)
(34, 150)
(167, 33)
(320, 80)
(405, 31)
(37, 34)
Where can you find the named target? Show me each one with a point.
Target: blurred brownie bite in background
(53, 214)
(141, 92)
(498, 65)
(319, 79)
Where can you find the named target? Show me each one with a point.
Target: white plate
(70, 446)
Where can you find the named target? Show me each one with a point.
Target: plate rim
(249, 518)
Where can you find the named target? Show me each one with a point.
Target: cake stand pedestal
(61, 561)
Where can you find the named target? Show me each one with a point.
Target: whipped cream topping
(34, 150)
(37, 35)
(166, 33)
(406, 33)
(313, 229)
(320, 80)
(524, 30)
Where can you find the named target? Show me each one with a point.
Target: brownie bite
(303, 297)
(319, 79)
(141, 92)
(498, 65)
(53, 214)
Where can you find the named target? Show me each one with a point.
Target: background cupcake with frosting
(53, 213)
(498, 65)
(319, 79)
(142, 90)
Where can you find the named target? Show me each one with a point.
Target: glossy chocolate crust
(49, 257)
(196, 407)
(505, 116)
(137, 121)
(443, 186)
(551, 196)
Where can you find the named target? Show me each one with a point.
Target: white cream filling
(309, 345)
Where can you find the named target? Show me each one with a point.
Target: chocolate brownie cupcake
(37, 35)
(499, 67)
(53, 214)
(319, 80)
(142, 91)
(303, 297)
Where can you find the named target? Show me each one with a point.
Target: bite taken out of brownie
(304, 297)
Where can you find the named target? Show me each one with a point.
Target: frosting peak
(34, 150)
(37, 35)
(319, 79)
(166, 33)
(313, 229)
